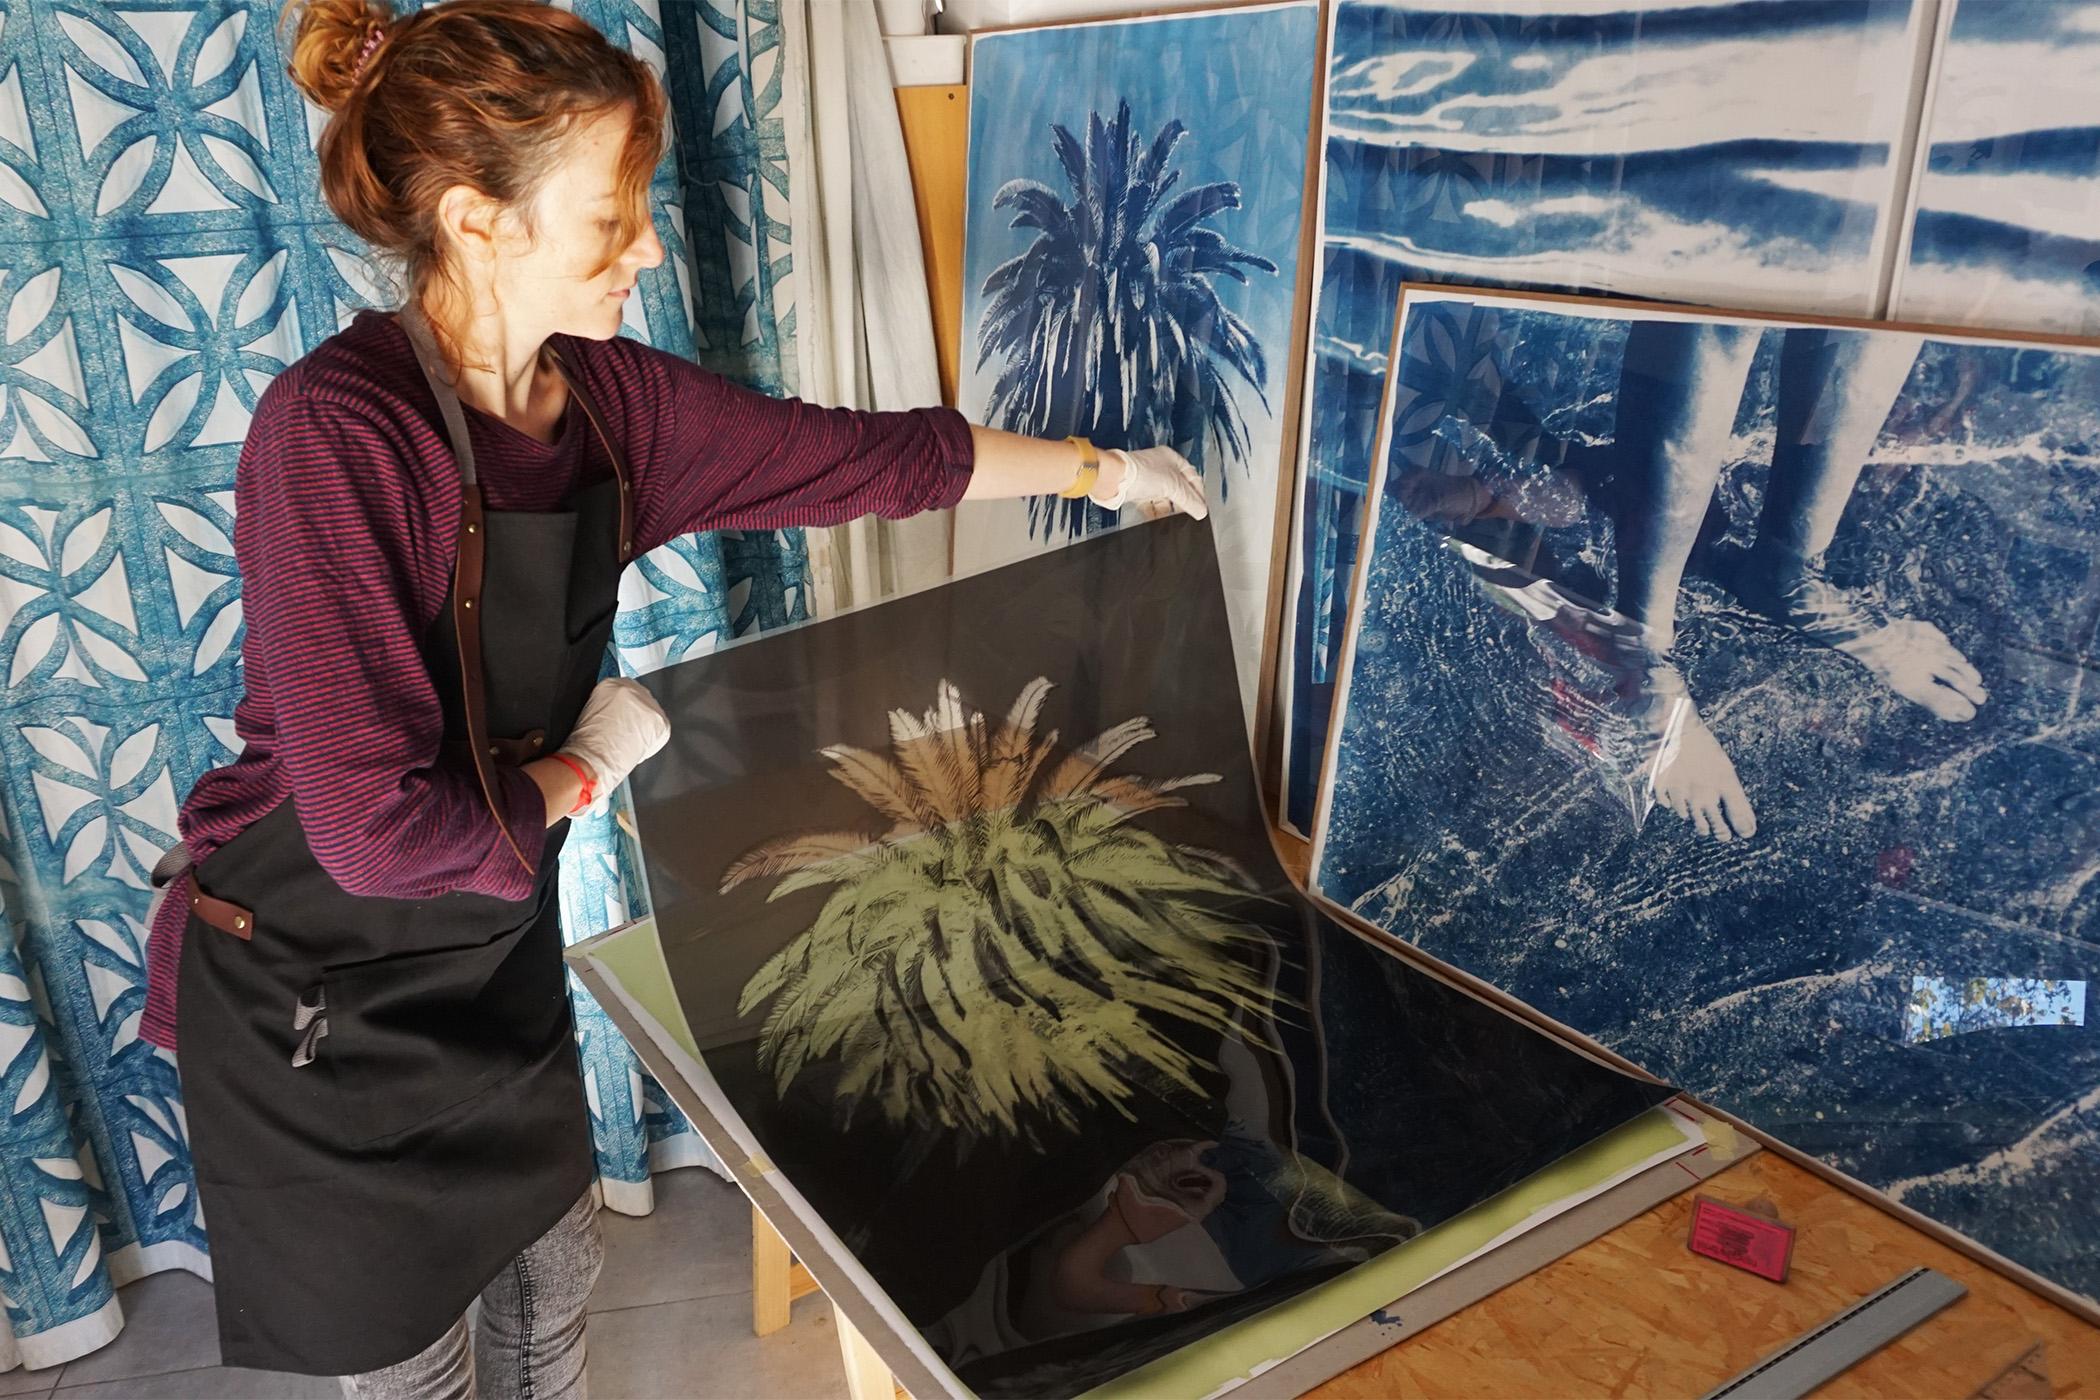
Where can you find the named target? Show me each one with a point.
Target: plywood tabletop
(1635, 1313)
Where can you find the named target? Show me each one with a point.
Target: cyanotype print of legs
(1617, 699)
(1679, 389)
(1681, 386)
(1835, 391)
(1679, 392)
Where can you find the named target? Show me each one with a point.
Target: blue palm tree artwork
(1137, 189)
(1108, 325)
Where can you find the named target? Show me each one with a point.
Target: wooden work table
(1634, 1313)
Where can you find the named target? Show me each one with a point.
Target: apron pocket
(414, 1035)
(586, 615)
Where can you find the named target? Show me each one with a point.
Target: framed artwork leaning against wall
(1723, 686)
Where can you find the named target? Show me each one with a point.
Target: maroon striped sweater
(347, 510)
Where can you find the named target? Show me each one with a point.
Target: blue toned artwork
(1726, 691)
(1728, 154)
(2005, 227)
(1135, 201)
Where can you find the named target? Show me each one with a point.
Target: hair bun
(327, 42)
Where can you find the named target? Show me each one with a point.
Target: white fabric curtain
(864, 323)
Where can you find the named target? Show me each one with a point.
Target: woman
(434, 508)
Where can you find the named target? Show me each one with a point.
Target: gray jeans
(528, 1343)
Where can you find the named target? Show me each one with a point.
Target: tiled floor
(670, 1320)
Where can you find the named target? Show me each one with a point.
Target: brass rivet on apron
(240, 923)
(495, 752)
(468, 603)
(538, 739)
(472, 528)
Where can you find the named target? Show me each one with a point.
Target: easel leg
(770, 1262)
(778, 1279)
(866, 1377)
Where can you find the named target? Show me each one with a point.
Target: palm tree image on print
(1002, 930)
(971, 911)
(1130, 258)
(1109, 326)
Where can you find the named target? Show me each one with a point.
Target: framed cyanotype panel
(1725, 689)
(2005, 225)
(1130, 263)
(1698, 153)
(973, 918)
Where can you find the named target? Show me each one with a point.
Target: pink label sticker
(1736, 1237)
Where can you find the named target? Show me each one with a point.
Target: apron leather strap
(468, 561)
(220, 914)
(472, 552)
(467, 566)
(174, 873)
(612, 449)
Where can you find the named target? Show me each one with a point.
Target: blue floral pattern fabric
(164, 252)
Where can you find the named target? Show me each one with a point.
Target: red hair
(478, 93)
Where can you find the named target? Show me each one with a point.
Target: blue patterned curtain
(166, 252)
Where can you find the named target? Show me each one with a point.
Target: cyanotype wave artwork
(2006, 228)
(972, 915)
(1136, 195)
(1733, 153)
(1726, 692)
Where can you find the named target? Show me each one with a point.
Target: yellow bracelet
(1089, 470)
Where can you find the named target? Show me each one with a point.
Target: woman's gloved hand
(1153, 476)
(621, 726)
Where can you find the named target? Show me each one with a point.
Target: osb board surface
(1636, 1314)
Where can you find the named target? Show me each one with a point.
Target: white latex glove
(1155, 475)
(621, 725)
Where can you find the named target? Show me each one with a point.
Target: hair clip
(364, 55)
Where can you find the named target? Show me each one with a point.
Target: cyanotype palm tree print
(1010, 952)
(1109, 325)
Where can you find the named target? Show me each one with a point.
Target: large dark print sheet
(1725, 690)
(974, 918)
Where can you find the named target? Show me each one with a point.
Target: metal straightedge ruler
(1853, 1335)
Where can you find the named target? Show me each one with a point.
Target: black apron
(384, 1097)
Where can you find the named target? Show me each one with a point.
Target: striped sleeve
(328, 534)
(710, 455)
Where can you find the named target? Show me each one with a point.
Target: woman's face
(554, 275)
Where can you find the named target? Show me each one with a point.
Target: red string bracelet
(589, 793)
